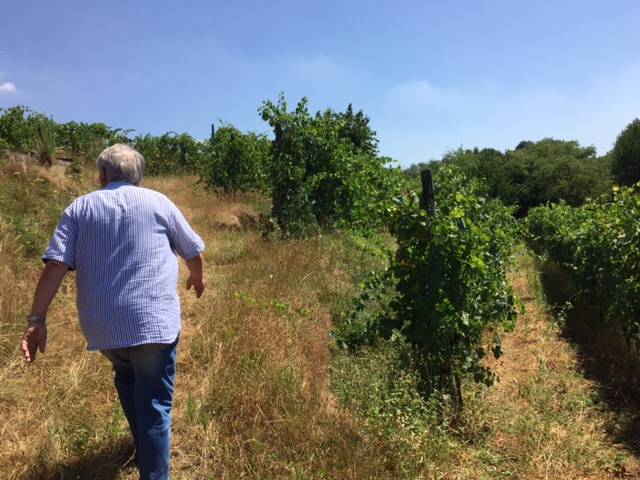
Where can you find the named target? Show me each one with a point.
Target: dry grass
(547, 421)
(253, 397)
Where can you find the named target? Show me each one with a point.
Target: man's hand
(34, 338)
(197, 284)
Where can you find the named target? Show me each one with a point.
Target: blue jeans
(144, 378)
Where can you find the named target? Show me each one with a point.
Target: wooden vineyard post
(211, 142)
(428, 203)
(428, 198)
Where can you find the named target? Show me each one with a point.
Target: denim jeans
(144, 378)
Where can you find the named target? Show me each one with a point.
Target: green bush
(29, 132)
(89, 139)
(23, 130)
(14, 128)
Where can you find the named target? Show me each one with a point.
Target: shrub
(14, 128)
(25, 131)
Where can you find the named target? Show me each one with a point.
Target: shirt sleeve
(62, 247)
(184, 240)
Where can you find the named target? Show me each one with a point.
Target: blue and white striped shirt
(122, 241)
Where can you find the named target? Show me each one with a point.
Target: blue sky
(432, 76)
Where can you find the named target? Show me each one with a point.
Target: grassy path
(253, 399)
(548, 420)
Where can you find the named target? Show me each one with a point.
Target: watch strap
(35, 318)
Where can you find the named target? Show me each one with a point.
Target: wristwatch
(35, 318)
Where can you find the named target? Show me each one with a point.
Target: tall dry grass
(254, 398)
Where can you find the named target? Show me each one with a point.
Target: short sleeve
(184, 240)
(62, 247)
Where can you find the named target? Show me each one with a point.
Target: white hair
(120, 162)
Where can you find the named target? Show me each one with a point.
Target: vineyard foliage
(446, 291)
(325, 172)
(25, 131)
(171, 154)
(599, 245)
(322, 171)
(237, 161)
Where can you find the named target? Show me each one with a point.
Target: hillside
(257, 376)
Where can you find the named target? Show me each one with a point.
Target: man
(122, 240)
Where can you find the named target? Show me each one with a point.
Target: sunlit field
(262, 390)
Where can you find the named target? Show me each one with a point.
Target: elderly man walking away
(122, 240)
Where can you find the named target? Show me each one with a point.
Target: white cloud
(325, 81)
(7, 88)
(421, 120)
(318, 66)
(420, 94)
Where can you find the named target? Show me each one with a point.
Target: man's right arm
(59, 257)
(35, 335)
(194, 265)
(189, 246)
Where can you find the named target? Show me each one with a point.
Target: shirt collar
(117, 184)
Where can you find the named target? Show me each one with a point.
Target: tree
(355, 128)
(626, 155)
(551, 170)
(536, 173)
(524, 144)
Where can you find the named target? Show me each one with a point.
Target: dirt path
(543, 408)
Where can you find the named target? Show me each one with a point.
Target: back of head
(121, 162)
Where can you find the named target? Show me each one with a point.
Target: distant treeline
(547, 171)
(326, 168)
